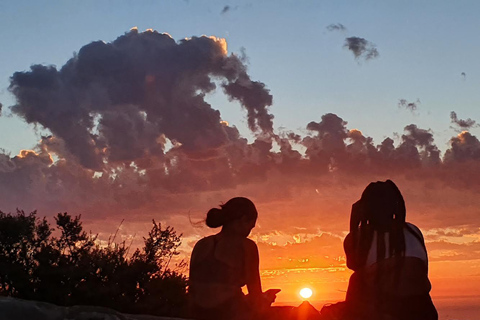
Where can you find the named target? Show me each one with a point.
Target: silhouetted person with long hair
(223, 263)
(389, 258)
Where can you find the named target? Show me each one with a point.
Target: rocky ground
(17, 309)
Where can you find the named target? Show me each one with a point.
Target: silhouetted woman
(223, 263)
(389, 258)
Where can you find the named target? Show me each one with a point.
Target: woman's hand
(270, 295)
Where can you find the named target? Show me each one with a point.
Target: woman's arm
(350, 244)
(349, 247)
(252, 273)
(259, 299)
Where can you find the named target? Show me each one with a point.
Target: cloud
(328, 145)
(133, 137)
(227, 9)
(462, 124)
(411, 106)
(448, 251)
(320, 182)
(120, 101)
(361, 48)
(1, 106)
(464, 147)
(455, 232)
(336, 27)
(417, 145)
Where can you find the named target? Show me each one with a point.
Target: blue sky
(424, 47)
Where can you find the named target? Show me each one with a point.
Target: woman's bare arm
(252, 272)
(348, 246)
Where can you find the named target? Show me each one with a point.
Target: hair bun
(215, 218)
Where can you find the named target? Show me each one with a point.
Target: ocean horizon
(449, 307)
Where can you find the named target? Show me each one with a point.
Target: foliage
(66, 266)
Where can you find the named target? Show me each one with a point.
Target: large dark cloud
(417, 145)
(464, 147)
(361, 48)
(328, 146)
(114, 101)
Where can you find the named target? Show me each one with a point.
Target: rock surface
(17, 309)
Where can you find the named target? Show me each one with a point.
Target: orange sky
(301, 227)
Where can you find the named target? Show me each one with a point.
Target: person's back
(222, 264)
(217, 272)
(389, 258)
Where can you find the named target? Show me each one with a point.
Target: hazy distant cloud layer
(336, 27)
(361, 48)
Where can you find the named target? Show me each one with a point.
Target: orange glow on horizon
(300, 242)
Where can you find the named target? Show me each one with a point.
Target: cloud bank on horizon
(132, 135)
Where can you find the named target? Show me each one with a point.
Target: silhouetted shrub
(68, 266)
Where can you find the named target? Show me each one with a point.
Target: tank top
(210, 269)
(414, 245)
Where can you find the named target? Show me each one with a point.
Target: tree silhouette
(65, 265)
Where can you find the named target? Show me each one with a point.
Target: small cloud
(243, 56)
(411, 106)
(361, 48)
(463, 124)
(227, 9)
(336, 27)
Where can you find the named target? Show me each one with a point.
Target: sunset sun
(306, 293)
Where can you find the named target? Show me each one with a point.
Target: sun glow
(306, 293)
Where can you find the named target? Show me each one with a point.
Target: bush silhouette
(66, 266)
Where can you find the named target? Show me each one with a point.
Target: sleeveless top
(405, 275)
(414, 245)
(213, 281)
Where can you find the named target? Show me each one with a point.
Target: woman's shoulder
(204, 244)
(250, 245)
(413, 228)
